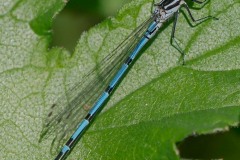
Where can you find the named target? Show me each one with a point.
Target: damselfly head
(167, 8)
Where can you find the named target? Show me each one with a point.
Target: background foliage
(158, 103)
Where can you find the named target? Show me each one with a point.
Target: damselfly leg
(174, 41)
(198, 21)
(199, 2)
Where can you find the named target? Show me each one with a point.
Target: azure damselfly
(95, 89)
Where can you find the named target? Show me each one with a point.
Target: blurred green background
(80, 15)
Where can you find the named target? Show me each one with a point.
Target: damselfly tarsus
(95, 89)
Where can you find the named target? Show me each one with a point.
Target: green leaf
(159, 102)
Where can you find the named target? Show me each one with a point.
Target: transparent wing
(70, 109)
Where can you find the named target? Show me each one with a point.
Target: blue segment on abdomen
(118, 75)
(152, 26)
(143, 41)
(65, 149)
(98, 104)
(124, 67)
(81, 127)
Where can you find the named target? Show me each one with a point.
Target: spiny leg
(152, 6)
(200, 2)
(198, 21)
(173, 40)
(205, 2)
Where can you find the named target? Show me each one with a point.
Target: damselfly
(95, 89)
